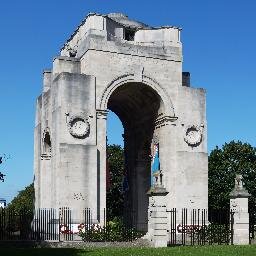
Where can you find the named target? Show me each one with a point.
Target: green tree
(2, 177)
(2, 159)
(115, 200)
(24, 200)
(224, 163)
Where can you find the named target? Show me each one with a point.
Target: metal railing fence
(200, 227)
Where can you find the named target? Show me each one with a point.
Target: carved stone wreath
(79, 126)
(194, 135)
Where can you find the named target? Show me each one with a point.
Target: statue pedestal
(157, 221)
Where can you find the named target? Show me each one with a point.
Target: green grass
(179, 251)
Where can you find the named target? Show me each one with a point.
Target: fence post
(158, 217)
(239, 207)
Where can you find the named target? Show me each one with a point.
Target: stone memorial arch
(113, 62)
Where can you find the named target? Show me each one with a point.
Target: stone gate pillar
(239, 205)
(157, 222)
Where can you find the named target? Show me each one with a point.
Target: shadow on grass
(174, 251)
(43, 251)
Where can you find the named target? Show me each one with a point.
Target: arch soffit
(128, 78)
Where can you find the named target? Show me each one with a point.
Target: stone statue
(155, 164)
(239, 182)
(239, 189)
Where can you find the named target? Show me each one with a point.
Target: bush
(114, 230)
(215, 234)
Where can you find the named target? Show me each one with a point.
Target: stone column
(101, 164)
(157, 230)
(239, 206)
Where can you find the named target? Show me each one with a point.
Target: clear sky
(219, 43)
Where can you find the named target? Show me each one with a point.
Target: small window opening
(129, 35)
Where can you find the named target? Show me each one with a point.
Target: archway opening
(114, 166)
(137, 105)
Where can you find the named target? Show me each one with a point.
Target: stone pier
(239, 206)
(157, 233)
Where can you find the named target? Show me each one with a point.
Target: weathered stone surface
(111, 62)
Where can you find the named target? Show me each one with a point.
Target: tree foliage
(2, 158)
(115, 200)
(24, 200)
(224, 163)
(2, 177)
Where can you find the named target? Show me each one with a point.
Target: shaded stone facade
(112, 62)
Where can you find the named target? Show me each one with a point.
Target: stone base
(241, 236)
(157, 191)
(159, 243)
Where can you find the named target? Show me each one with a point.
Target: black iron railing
(185, 226)
(200, 227)
(252, 225)
(59, 225)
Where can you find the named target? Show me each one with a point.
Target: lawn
(179, 251)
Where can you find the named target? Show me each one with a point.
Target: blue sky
(219, 42)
